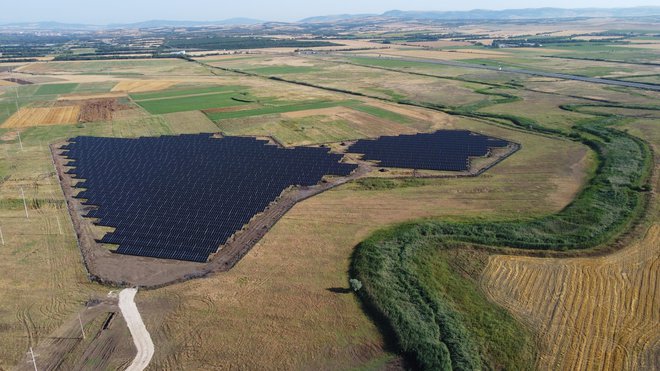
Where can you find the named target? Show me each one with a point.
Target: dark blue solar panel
(443, 150)
(181, 197)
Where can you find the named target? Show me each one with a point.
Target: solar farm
(184, 197)
(181, 197)
(442, 150)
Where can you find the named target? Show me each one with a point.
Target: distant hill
(53, 26)
(57, 26)
(169, 23)
(477, 14)
(531, 13)
(335, 18)
(483, 14)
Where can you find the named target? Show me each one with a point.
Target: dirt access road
(141, 337)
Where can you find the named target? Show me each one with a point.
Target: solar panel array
(181, 197)
(443, 150)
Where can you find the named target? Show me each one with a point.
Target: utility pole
(82, 329)
(16, 101)
(34, 361)
(27, 216)
(2, 238)
(59, 226)
(20, 142)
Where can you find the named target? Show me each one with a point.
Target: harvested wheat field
(41, 116)
(6, 83)
(591, 313)
(138, 86)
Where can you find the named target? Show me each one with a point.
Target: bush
(356, 285)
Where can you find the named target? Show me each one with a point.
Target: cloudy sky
(103, 12)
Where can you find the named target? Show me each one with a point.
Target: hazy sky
(109, 11)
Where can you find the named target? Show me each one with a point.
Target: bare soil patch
(95, 110)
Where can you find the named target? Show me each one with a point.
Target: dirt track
(139, 333)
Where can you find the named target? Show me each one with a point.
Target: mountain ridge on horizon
(474, 14)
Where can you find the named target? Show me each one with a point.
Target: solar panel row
(181, 197)
(443, 150)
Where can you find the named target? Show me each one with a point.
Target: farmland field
(50, 89)
(140, 86)
(43, 116)
(189, 103)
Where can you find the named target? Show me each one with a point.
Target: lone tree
(356, 285)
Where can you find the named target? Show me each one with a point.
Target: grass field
(190, 103)
(172, 93)
(52, 89)
(181, 100)
(144, 85)
(277, 107)
(282, 70)
(121, 68)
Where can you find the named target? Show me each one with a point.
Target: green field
(192, 103)
(186, 92)
(287, 107)
(95, 87)
(283, 70)
(381, 113)
(52, 89)
(391, 63)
